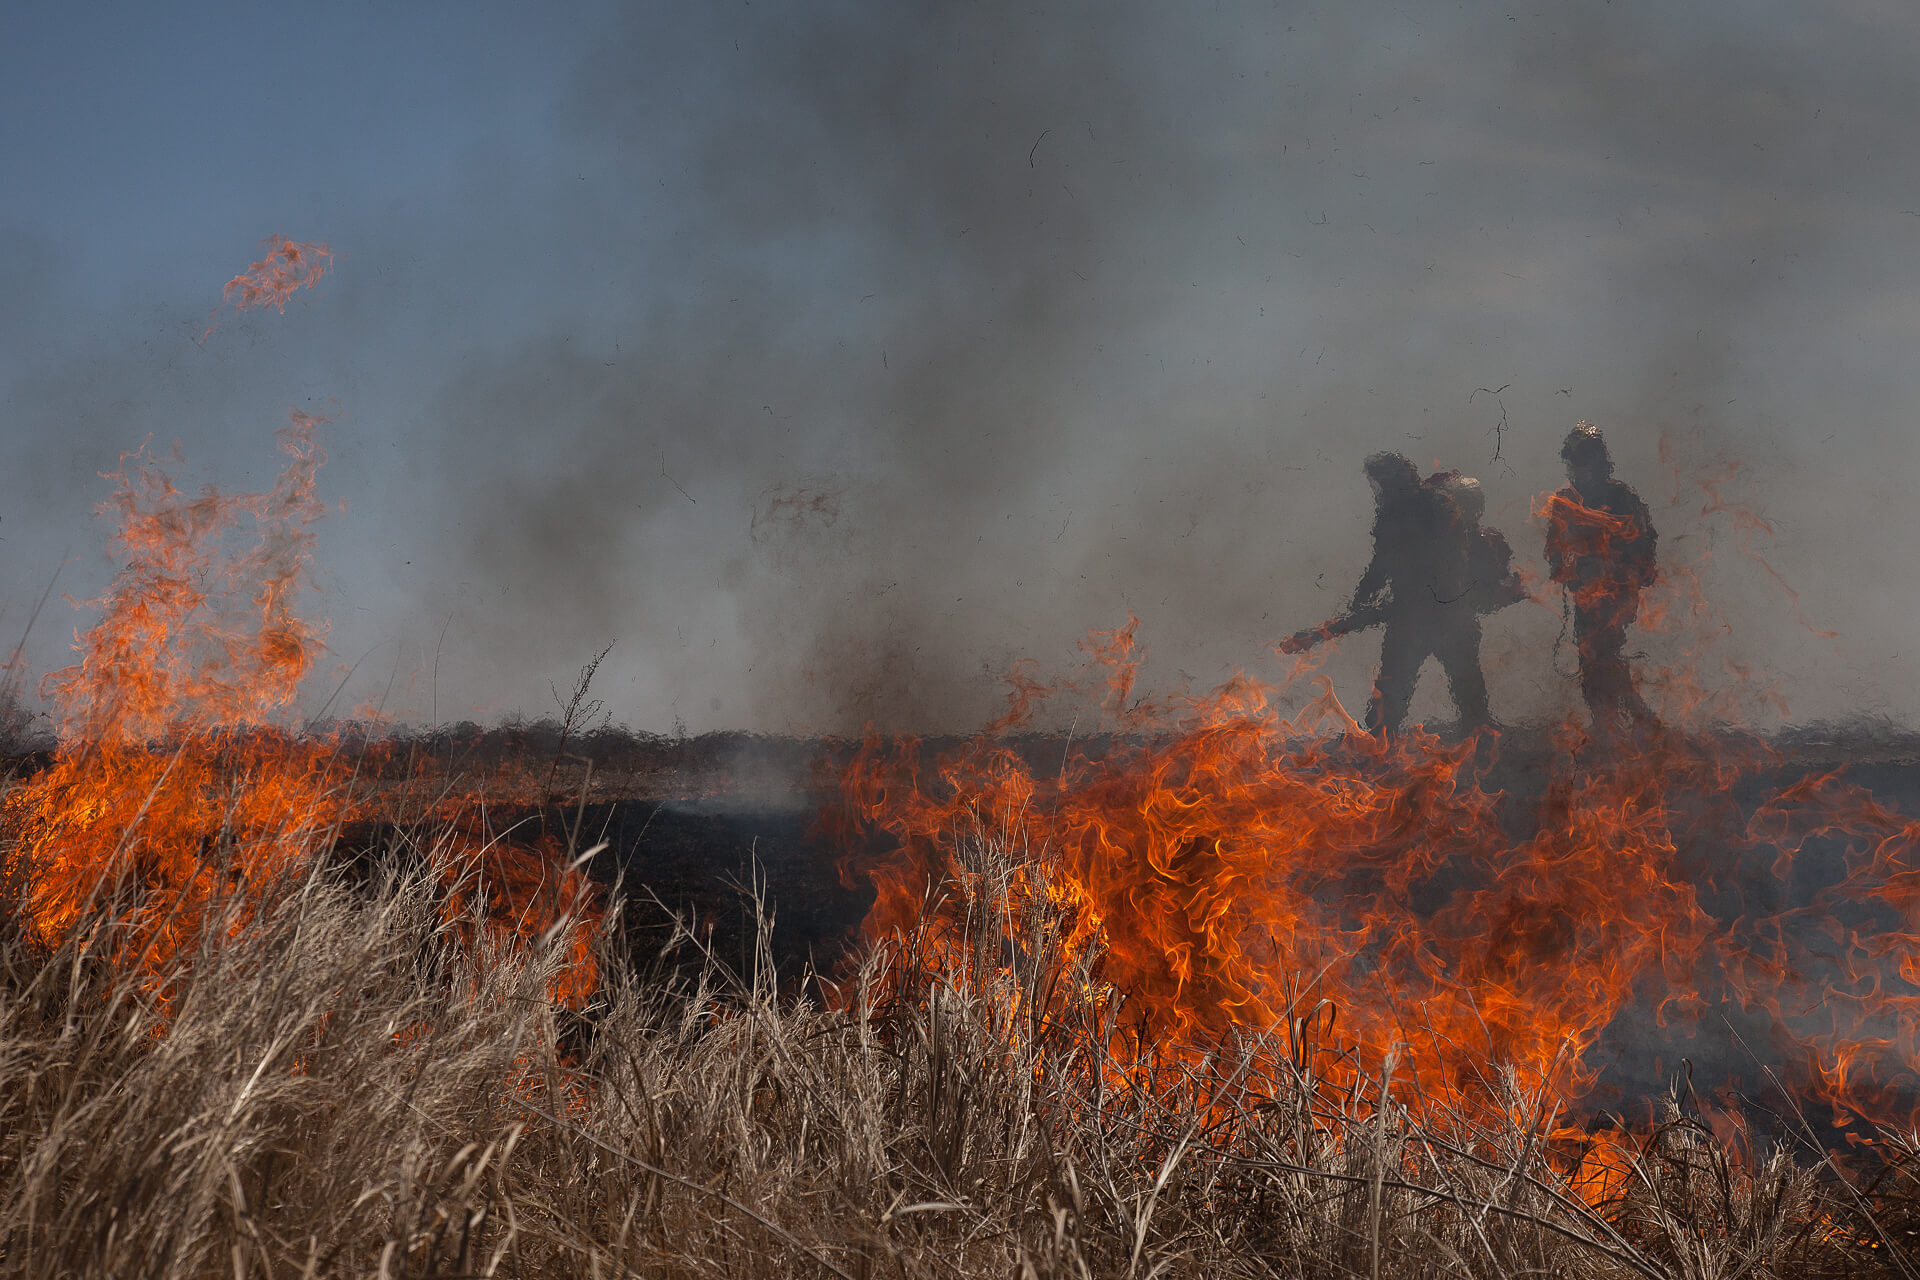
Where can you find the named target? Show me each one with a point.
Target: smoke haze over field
(831, 357)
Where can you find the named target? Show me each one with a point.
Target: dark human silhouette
(1600, 547)
(1418, 586)
(1491, 585)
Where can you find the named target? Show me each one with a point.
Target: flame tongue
(192, 639)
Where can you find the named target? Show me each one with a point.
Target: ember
(288, 267)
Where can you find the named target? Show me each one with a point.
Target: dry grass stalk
(339, 1089)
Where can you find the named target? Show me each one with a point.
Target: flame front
(1223, 870)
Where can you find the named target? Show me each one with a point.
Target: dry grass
(338, 1089)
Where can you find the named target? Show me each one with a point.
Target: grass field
(339, 1077)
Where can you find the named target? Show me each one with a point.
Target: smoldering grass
(342, 1080)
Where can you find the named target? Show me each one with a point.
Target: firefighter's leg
(1402, 650)
(1459, 652)
(1636, 708)
(1605, 679)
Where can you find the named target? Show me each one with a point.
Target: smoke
(831, 357)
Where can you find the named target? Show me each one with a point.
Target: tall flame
(172, 782)
(192, 636)
(178, 795)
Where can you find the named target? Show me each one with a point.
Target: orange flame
(1463, 910)
(191, 638)
(176, 792)
(171, 780)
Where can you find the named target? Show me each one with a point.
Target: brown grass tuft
(339, 1089)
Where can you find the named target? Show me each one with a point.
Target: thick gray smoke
(833, 356)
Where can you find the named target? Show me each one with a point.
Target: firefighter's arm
(1301, 641)
(1372, 583)
(1341, 624)
(1646, 560)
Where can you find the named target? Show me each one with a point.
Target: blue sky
(830, 357)
(169, 128)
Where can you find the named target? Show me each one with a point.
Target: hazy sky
(830, 357)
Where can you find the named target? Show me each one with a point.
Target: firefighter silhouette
(1420, 586)
(1491, 585)
(1600, 547)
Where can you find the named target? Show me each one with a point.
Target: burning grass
(1530, 899)
(353, 1083)
(1143, 1016)
(1226, 996)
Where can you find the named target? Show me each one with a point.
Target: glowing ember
(287, 267)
